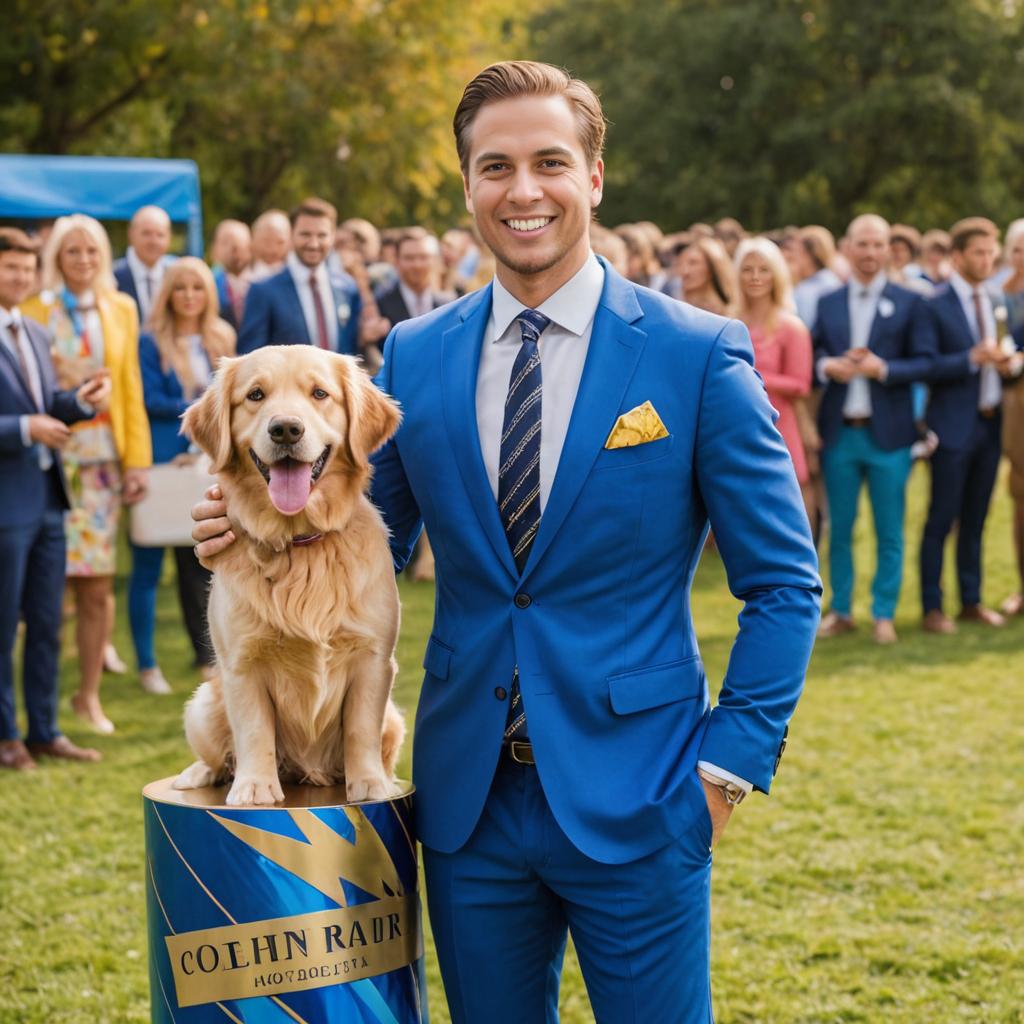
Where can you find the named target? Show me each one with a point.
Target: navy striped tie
(519, 471)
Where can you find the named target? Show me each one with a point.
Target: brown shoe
(936, 621)
(884, 632)
(979, 613)
(64, 749)
(834, 624)
(14, 755)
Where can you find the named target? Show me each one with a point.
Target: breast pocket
(635, 455)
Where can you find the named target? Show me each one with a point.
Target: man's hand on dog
(212, 532)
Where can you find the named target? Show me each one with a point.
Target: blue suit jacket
(955, 383)
(165, 402)
(23, 485)
(898, 339)
(273, 314)
(227, 310)
(609, 665)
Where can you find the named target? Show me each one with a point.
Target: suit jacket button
(523, 600)
(500, 692)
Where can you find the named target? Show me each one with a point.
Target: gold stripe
(231, 1016)
(287, 1009)
(408, 838)
(527, 369)
(520, 448)
(156, 893)
(163, 992)
(526, 539)
(523, 506)
(189, 866)
(530, 400)
(515, 487)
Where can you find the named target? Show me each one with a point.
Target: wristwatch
(732, 793)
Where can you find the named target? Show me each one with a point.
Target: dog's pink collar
(306, 538)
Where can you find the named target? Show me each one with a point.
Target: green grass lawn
(882, 881)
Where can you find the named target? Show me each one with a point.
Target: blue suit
(876, 453)
(32, 548)
(966, 463)
(273, 314)
(599, 621)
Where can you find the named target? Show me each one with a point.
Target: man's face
(150, 236)
(271, 242)
(529, 186)
(234, 249)
(17, 277)
(977, 260)
(312, 238)
(868, 249)
(415, 263)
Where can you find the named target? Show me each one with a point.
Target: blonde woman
(709, 280)
(783, 353)
(184, 342)
(94, 326)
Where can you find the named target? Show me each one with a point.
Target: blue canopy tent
(105, 187)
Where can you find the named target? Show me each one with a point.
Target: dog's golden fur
(304, 634)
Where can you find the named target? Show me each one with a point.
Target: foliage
(880, 881)
(800, 111)
(351, 99)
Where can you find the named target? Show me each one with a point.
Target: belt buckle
(521, 752)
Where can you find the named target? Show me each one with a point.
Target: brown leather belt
(857, 422)
(519, 751)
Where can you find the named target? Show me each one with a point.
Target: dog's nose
(285, 430)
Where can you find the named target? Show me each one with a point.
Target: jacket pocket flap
(437, 658)
(653, 687)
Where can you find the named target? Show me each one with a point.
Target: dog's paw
(196, 776)
(255, 791)
(371, 787)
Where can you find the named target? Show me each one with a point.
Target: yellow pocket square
(638, 426)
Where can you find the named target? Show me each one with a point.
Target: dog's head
(287, 418)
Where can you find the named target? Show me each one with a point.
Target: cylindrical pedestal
(303, 912)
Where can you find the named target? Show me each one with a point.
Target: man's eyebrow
(486, 158)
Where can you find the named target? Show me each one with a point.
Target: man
(965, 411)
(565, 709)
(34, 416)
(140, 272)
(231, 253)
(271, 243)
(868, 350)
(814, 257)
(304, 304)
(412, 294)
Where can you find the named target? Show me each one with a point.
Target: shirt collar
(140, 270)
(963, 290)
(874, 287)
(413, 300)
(572, 307)
(300, 272)
(10, 316)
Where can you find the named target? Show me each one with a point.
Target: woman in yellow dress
(93, 325)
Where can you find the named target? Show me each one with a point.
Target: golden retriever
(304, 608)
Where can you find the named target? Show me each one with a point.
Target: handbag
(163, 518)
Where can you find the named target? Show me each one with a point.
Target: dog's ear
(372, 415)
(208, 421)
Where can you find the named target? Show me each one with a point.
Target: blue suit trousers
(501, 907)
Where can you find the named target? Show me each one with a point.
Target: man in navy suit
(305, 304)
(868, 350)
(566, 438)
(965, 410)
(231, 253)
(412, 294)
(34, 416)
(140, 272)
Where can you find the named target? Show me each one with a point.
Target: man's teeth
(529, 225)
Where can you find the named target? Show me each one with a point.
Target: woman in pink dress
(782, 344)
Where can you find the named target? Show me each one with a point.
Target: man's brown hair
(513, 79)
(961, 233)
(314, 207)
(413, 234)
(15, 240)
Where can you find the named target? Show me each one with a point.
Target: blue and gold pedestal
(303, 913)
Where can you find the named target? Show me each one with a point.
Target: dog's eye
(319, 394)
(256, 395)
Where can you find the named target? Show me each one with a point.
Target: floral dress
(91, 462)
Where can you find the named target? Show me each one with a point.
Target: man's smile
(527, 226)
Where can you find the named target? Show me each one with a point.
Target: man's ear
(208, 421)
(465, 189)
(372, 416)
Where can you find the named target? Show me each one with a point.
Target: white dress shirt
(990, 390)
(862, 302)
(300, 275)
(563, 350)
(147, 280)
(417, 303)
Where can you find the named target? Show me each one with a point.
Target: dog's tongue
(289, 485)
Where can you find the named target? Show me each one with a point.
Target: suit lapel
(876, 320)
(615, 349)
(956, 312)
(41, 349)
(12, 371)
(290, 289)
(840, 324)
(460, 361)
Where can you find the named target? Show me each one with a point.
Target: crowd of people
(887, 346)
